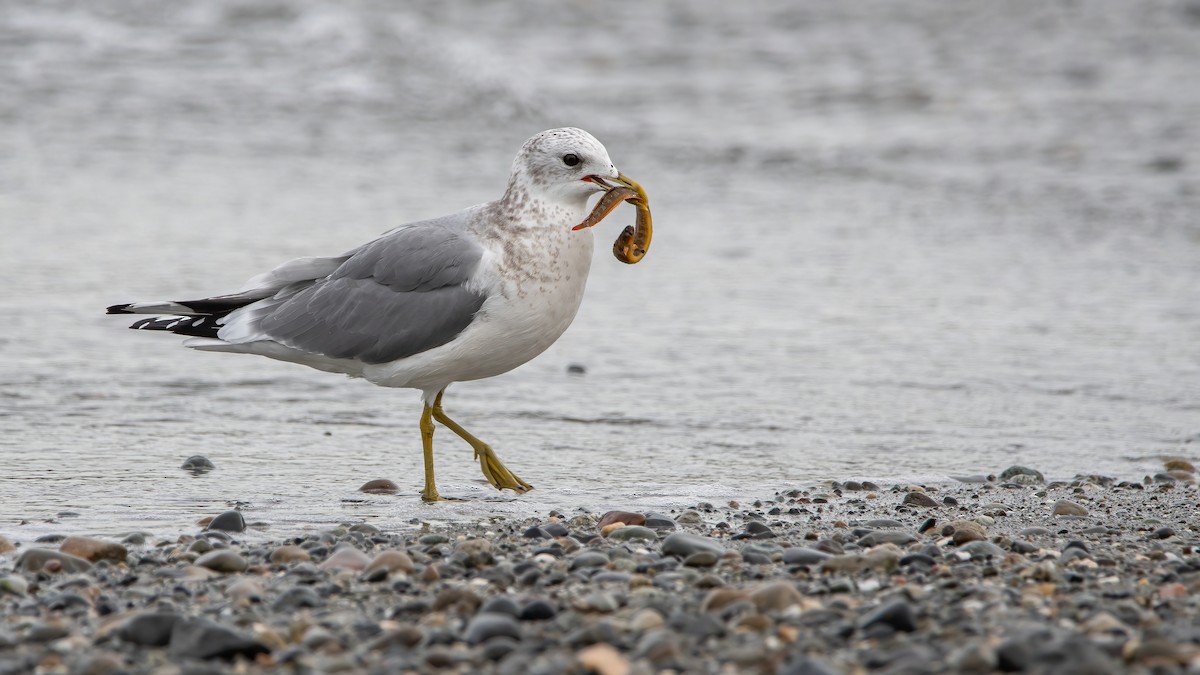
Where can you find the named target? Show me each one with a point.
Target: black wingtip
(118, 309)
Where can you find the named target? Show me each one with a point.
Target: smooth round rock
(152, 629)
(37, 559)
(898, 614)
(379, 486)
(966, 531)
(297, 597)
(223, 560)
(197, 464)
(589, 559)
(982, 549)
(538, 610)
(197, 638)
(804, 556)
(289, 553)
(659, 521)
(14, 585)
(919, 499)
(392, 561)
(487, 625)
(633, 533)
(1013, 474)
(626, 517)
(684, 544)
(230, 521)
(898, 537)
(347, 558)
(501, 604)
(93, 550)
(1066, 507)
(776, 596)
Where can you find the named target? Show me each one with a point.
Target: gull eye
(571, 159)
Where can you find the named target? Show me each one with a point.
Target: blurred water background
(894, 241)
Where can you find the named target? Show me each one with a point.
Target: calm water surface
(901, 243)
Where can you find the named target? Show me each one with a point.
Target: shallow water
(896, 242)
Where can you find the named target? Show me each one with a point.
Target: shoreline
(1092, 575)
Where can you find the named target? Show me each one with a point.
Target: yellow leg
(430, 493)
(493, 469)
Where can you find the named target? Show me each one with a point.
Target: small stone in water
(197, 464)
(230, 521)
(1031, 476)
(379, 486)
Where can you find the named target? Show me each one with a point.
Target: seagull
(462, 297)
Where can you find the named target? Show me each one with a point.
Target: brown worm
(611, 200)
(633, 242)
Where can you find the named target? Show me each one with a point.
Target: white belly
(535, 288)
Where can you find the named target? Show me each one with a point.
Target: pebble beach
(1001, 572)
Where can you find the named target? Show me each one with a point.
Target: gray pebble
(982, 549)
(886, 537)
(230, 521)
(501, 604)
(538, 610)
(919, 499)
(1013, 474)
(683, 544)
(898, 614)
(223, 560)
(197, 464)
(659, 521)
(487, 625)
(589, 559)
(804, 556)
(633, 533)
(148, 630)
(198, 638)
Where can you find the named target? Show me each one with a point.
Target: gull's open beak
(621, 180)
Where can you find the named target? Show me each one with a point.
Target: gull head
(562, 165)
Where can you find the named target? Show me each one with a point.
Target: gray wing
(399, 295)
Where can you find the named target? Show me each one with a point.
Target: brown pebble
(346, 557)
(461, 600)
(919, 499)
(1180, 464)
(626, 517)
(6, 546)
(603, 659)
(965, 531)
(203, 522)
(379, 486)
(289, 553)
(92, 549)
(430, 574)
(776, 596)
(393, 561)
(52, 566)
(720, 598)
